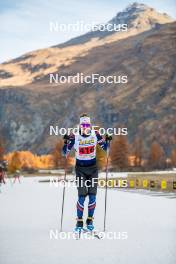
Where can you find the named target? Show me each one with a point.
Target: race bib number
(86, 150)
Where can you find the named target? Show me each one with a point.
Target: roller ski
(88, 231)
(79, 228)
(90, 228)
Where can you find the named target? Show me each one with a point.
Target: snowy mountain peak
(140, 16)
(137, 6)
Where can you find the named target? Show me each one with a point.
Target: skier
(2, 180)
(2, 171)
(16, 176)
(86, 169)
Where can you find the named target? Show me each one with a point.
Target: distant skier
(16, 176)
(86, 169)
(2, 171)
(2, 177)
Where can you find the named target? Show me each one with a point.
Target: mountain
(146, 104)
(34, 65)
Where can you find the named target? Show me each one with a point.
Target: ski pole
(106, 188)
(63, 195)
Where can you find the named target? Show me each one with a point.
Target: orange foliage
(119, 153)
(173, 157)
(157, 158)
(27, 160)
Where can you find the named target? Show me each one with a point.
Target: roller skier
(86, 169)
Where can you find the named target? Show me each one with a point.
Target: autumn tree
(173, 157)
(44, 161)
(15, 163)
(137, 151)
(58, 159)
(30, 161)
(157, 159)
(119, 153)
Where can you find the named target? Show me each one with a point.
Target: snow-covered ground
(30, 210)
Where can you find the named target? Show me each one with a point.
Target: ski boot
(89, 223)
(79, 225)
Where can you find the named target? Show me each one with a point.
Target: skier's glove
(108, 137)
(66, 139)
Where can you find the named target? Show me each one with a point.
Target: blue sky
(24, 24)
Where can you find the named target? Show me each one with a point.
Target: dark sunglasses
(85, 125)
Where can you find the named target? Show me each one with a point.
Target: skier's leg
(80, 210)
(80, 206)
(92, 191)
(93, 177)
(91, 205)
(91, 209)
(3, 178)
(82, 192)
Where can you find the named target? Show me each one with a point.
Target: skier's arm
(68, 144)
(101, 141)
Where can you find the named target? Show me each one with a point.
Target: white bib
(85, 147)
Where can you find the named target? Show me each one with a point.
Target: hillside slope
(145, 105)
(34, 65)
